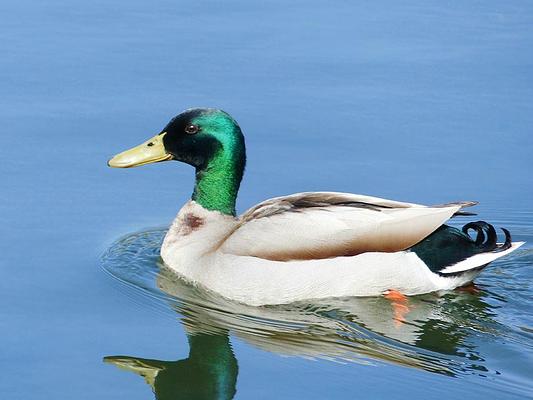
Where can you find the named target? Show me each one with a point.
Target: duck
(303, 246)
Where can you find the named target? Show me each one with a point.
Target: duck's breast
(194, 234)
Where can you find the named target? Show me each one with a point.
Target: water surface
(420, 101)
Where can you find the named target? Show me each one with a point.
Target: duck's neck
(210, 348)
(217, 184)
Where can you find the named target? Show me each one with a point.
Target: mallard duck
(305, 245)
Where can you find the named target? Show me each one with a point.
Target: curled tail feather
(486, 237)
(451, 251)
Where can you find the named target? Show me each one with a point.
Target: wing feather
(318, 225)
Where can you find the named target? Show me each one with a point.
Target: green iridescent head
(206, 138)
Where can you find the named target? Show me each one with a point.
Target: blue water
(420, 101)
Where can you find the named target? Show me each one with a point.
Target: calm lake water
(421, 101)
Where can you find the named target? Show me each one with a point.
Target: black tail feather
(480, 236)
(486, 237)
(448, 246)
(507, 244)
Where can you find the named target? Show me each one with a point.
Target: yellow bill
(151, 151)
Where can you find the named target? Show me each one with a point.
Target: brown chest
(190, 223)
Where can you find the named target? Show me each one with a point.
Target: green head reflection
(209, 373)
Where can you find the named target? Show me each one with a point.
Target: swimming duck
(305, 245)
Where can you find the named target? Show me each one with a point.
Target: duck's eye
(191, 129)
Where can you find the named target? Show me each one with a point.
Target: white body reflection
(429, 332)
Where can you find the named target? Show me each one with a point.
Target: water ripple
(455, 333)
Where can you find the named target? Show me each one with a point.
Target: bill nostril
(150, 144)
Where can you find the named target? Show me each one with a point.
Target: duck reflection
(210, 371)
(428, 332)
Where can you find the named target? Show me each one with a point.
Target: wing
(326, 224)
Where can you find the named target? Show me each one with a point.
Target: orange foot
(394, 295)
(400, 305)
